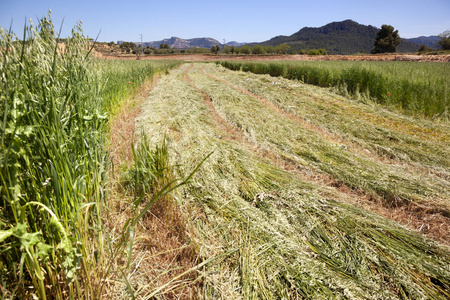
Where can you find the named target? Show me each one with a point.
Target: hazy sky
(242, 21)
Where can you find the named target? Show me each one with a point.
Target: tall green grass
(413, 87)
(54, 108)
(123, 78)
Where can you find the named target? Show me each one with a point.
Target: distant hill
(234, 43)
(346, 37)
(429, 41)
(175, 42)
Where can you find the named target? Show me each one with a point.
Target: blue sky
(242, 21)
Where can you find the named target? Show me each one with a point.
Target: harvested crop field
(304, 194)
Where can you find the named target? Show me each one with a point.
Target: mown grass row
(413, 87)
(55, 103)
(379, 133)
(313, 148)
(281, 237)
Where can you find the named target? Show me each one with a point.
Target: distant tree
(215, 49)
(302, 51)
(127, 47)
(164, 46)
(313, 52)
(111, 43)
(227, 49)
(387, 40)
(198, 50)
(322, 51)
(282, 49)
(161, 51)
(137, 50)
(148, 50)
(246, 49)
(424, 48)
(258, 49)
(444, 42)
(122, 47)
(268, 49)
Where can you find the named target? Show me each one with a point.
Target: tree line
(130, 47)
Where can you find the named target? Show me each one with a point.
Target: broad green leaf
(4, 234)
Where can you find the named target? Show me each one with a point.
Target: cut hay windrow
(283, 238)
(267, 127)
(406, 150)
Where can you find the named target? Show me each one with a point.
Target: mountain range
(345, 37)
(429, 41)
(176, 42)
